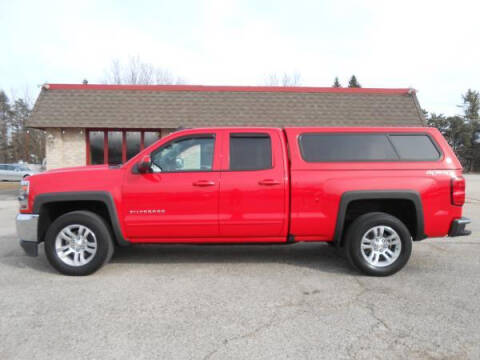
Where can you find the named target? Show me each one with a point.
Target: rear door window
(250, 151)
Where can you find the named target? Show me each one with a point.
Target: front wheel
(378, 244)
(78, 243)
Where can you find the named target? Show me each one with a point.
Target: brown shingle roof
(196, 106)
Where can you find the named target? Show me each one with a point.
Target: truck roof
(323, 128)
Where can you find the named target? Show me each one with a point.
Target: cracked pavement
(297, 301)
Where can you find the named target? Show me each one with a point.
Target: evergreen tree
(336, 83)
(5, 115)
(20, 137)
(462, 132)
(353, 83)
(17, 143)
(471, 105)
(455, 130)
(27, 145)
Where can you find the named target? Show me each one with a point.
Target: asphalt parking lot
(299, 301)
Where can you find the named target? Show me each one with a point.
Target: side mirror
(144, 164)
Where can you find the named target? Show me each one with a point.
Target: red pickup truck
(368, 191)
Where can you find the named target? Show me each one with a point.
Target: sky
(432, 46)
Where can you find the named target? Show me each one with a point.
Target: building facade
(109, 124)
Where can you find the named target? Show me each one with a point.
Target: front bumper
(458, 227)
(27, 231)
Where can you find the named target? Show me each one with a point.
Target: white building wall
(65, 148)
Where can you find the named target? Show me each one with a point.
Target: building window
(96, 144)
(133, 143)
(150, 137)
(114, 146)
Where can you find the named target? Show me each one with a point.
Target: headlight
(23, 194)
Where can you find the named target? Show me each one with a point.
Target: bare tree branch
(138, 72)
(286, 79)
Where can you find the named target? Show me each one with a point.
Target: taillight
(458, 191)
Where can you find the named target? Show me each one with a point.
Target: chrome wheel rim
(381, 246)
(76, 245)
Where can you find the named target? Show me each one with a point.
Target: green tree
(353, 83)
(455, 130)
(26, 144)
(5, 115)
(336, 83)
(471, 107)
(17, 142)
(462, 132)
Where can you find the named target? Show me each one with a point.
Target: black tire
(102, 234)
(359, 228)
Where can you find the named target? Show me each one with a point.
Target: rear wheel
(78, 243)
(378, 244)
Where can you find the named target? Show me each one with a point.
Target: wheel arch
(350, 197)
(91, 200)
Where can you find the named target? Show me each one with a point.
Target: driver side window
(194, 153)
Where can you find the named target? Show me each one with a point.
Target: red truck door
(179, 197)
(253, 188)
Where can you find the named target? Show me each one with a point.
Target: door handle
(204, 183)
(269, 182)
